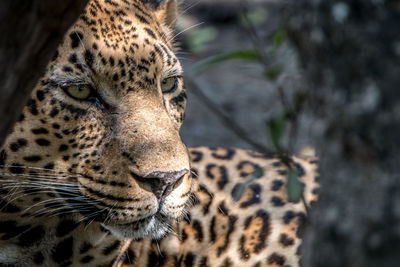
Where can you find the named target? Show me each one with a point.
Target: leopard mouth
(154, 227)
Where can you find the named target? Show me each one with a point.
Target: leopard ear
(165, 10)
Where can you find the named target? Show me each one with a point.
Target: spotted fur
(85, 171)
(259, 229)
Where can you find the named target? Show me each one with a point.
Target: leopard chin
(153, 227)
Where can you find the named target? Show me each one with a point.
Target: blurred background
(280, 75)
(242, 77)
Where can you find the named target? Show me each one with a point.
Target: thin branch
(259, 46)
(226, 119)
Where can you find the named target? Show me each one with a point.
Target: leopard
(95, 173)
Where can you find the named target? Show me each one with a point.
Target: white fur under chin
(151, 228)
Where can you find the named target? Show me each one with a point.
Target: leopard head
(100, 133)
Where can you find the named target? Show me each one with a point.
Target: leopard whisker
(94, 214)
(33, 168)
(62, 205)
(49, 210)
(109, 217)
(87, 225)
(194, 173)
(13, 190)
(38, 176)
(49, 201)
(39, 183)
(71, 210)
(41, 177)
(158, 248)
(185, 30)
(183, 12)
(109, 214)
(23, 194)
(46, 187)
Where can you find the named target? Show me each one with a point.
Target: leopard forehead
(122, 46)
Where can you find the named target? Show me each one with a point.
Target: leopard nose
(160, 183)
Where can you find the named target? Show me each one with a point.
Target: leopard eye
(79, 91)
(169, 85)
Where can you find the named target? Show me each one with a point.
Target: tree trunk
(350, 50)
(30, 32)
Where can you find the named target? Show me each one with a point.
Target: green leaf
(258, 173)
(278, 38)
(276, 129)
(211, 61)
(238, 191)
(272, 73)
(294, 187)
